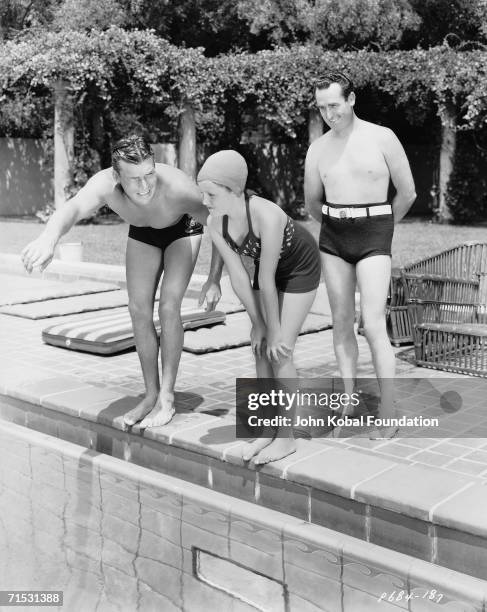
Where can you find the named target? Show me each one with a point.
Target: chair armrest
(441, 277)
(444, 303)
(435, 311)
(432, 287)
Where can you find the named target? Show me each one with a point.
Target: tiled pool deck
(425, 497)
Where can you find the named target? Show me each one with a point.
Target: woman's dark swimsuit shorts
(163, 237)
(358, 238)
(299, 270)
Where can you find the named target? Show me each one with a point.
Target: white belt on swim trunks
(351, 212)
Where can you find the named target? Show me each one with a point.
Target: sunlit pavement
(430, 482)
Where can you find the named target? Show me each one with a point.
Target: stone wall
(26, 179)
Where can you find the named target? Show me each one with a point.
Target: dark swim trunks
(299, 267)
(357, 238)
(163, 237)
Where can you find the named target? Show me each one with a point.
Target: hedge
(130, 77)
(276, 82)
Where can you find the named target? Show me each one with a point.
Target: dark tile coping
(419, 511)
(65, 270)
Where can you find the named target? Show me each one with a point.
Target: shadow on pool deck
(422, 496)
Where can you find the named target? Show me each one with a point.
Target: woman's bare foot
(341, 431)
(250, 449)
(138, 413)
(278, 449)
(384, 433)
(162, 412)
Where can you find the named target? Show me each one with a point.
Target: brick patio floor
(209, 387)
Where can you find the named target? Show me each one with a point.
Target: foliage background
(247, 69)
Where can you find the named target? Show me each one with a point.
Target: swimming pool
(116, 536)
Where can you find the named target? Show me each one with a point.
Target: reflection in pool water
(114, 536)
(110, 538)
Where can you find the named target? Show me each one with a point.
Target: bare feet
(277, 449)
(250, 449)
(387, 432)
(384, 433)
(341, 431)
(138, 413)
(162, 412)
(344, 431)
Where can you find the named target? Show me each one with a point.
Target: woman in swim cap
(287, 274)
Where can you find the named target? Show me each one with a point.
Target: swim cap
(226, 168)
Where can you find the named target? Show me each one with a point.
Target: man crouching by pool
(159, 202)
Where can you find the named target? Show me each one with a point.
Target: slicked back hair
(335, 77)
(132, 149)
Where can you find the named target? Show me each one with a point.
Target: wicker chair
(466, 261)
(448, 317)
(398, 327)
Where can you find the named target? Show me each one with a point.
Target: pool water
(114, 536)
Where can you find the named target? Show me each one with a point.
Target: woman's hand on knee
(276, 347)
(257, 338)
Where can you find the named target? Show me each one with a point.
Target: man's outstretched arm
(85, 203)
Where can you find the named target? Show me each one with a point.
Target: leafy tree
(89, 14)
(349, 24)
(457, 20)
(123, 81)
(220, 26)
(17, 15)
(334, 24)
(280, 21)
(214, 25)
(355, 24)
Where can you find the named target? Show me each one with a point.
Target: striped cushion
(108, 332)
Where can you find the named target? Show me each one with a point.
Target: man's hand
(212, 293)
(38, 253)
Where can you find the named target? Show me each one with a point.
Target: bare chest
(160, 212)
(357, 160)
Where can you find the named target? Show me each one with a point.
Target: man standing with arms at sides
(159, 202)
(347, 175)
